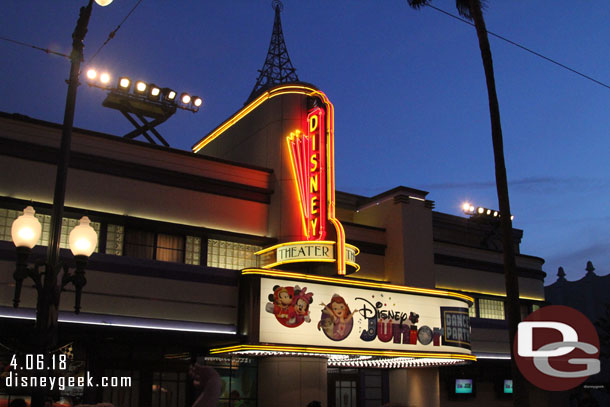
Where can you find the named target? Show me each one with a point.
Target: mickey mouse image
(290, 305)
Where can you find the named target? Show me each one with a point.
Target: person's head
(339, 307)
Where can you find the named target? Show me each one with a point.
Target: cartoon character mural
(337, 319)
(290, 305)
(302, 299)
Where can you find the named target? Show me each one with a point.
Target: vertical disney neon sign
(308, 154)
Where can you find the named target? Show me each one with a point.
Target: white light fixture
(83, 238)
(103, 3)
(141, 86)
(124, 83)
(185, 98)
(91, 74)
(105, 78)
(197, 101)
(26, 229)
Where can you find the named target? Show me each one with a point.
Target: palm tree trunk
(521, 398)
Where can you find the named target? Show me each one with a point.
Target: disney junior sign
(557, 348)
(306, 313)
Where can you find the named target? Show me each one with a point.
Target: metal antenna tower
(277, 68)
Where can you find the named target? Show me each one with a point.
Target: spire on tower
(277, 68)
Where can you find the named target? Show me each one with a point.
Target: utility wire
(113, 32)
(48, 51)
(522, 47)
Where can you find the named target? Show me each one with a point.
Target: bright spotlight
(105, 78)
(480, 210)
(141, 86)
(197, 101)
(465, 206)
(91, 74)
(154, 92)
(124, 83)
(185, 98)
(168, 94)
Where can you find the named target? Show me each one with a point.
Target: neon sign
(308, 154)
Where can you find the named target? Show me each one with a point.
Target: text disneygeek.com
(16, 381)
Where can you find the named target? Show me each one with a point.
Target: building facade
(241, 255)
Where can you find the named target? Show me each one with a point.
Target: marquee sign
(306, 251)
(308, 313)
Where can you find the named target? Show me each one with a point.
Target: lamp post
(26, 229)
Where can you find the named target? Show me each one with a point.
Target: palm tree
(473, 11)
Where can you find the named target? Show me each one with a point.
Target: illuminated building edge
(356, 283)
(326, 352)
(330, 153)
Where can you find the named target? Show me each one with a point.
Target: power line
(46, 50)
(113, 32)
(522, 47)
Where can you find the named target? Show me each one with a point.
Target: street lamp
(46, 282)
(26, 231)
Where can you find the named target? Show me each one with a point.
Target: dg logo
(557, 348)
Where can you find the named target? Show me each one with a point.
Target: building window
(169, 389)
(231, 255)
(472, 310)
(170, 248)
(154, 246)
(122, 396)
(491, 309)
(192, 252)
(115, 235)
(139, 243)
(239, 378)
(7, 216)
(372, 382)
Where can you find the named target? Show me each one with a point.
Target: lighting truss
(144, 105)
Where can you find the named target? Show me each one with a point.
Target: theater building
(242, 255)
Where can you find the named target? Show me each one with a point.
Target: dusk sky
(408, 89)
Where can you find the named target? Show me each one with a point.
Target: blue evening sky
(408, 88)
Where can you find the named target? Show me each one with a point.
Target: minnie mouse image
(290, 305)
(302, 299)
